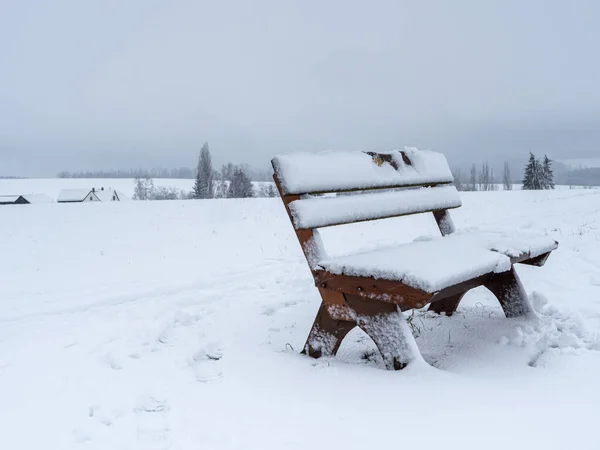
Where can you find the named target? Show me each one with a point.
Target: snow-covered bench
(371, 289)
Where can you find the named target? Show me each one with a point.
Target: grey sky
(140, 83)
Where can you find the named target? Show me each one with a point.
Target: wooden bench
(370, 290)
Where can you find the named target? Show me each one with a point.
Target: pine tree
(241, 185)
(531, 178)
(547, 173)
(203, 186)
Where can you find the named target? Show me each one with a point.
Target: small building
(87, 195)
(13, 200)
(38, 198)
(77, 196)
(108, 195)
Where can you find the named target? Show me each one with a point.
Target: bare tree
(506, 180)
(484, 177)
(459, 182)
(473, 179)
(165, 193)
(493, 184)
(143, 188)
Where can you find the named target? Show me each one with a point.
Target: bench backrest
(393, 184)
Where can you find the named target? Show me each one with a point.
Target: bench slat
(306, 173)
(317, 212)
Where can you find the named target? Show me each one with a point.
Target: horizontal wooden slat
(390, 291)
(316, 212)
(311, 173)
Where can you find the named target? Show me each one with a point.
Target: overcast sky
(101, 84)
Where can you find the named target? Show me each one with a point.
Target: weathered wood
(336, 305)
(380, 158)
(459, 288)
(511, 294)
(326, 334)
(444, 222)
(386, 326)
(373, 189)
(537, 261)
(383, 290)
(447, 305)
(305, 237)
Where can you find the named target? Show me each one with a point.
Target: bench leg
(326, 334)
(511, 294)
(386, 326)
(447, 305)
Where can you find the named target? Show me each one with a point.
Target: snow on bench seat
(318, 212)
(434, 264)
(512, 244)
(302, 173)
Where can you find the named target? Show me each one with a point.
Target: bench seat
(434, 263)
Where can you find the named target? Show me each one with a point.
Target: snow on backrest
(316, 212)
(305, 173)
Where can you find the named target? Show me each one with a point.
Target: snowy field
(53, 186)
(177, 325)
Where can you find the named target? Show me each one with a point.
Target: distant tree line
(185, 173)
(480, 180)
(589, 176)
(181, 173)
(537, 175)
(231, 181)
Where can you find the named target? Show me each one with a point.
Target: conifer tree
(241, 185)
(547, 173)
(531, 178)
(203, 186)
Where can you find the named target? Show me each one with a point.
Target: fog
(113, 84)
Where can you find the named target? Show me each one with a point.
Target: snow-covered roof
(106, 195)
(9, 198)
(122, 196)
(38, 198)
(73, 195)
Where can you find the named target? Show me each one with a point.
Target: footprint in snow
(205, 363)
(152, 424)
(269, 311)
(113, 362)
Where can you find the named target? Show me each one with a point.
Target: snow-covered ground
(53, 186)
(177, 325)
